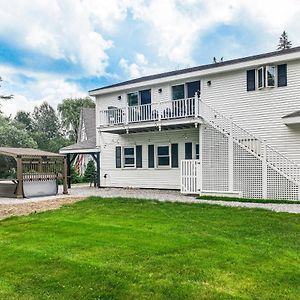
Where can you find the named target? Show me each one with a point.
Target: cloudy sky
(53, 49)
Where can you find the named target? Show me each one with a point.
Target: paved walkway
(161, 195)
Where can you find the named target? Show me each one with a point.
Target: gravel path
(10, 207)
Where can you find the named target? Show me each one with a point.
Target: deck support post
(19, 191)
(264, 171)
(230, 158)
(200, 169)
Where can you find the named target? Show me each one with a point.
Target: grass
(249, 200)
(134, 249)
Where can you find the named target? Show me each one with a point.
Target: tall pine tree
(284, 42)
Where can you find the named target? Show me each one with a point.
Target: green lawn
(134, 249)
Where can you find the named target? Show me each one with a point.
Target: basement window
(129, 157)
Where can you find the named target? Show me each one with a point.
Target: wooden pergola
(34, 165)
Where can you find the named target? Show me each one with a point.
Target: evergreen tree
(284, 42)
(89, 171)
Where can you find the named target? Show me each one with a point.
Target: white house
(227, 128)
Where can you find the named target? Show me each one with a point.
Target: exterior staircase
(273, 163)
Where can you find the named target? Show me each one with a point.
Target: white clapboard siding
(259, 112)
(168, 178)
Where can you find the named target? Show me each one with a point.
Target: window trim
(157, 157)
(124, 166)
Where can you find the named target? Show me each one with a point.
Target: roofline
(283, 55)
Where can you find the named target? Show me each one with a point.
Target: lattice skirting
(247, 170)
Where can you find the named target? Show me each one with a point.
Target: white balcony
(182, 112)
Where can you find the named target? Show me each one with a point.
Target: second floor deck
(181, 112)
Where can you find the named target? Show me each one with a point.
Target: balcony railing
(173, 109)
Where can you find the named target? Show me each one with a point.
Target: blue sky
(54, 49)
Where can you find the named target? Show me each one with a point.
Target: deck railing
(173, 109)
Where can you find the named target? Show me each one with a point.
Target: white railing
(256, 146)
(173, 109)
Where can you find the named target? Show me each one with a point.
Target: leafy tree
(284, 42)
(46, 120)
(24, 119)
(69, 111)
(89, 171)
(11, 136)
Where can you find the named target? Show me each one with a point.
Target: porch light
(119, 98)
(209, 83)
(160, 90)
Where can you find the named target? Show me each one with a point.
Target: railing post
(126, 113)
(196, 105)
(264, 171)
(230, 157)
(159, 110)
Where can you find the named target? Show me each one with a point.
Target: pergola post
(65, 177)
(69, 170)
(98, 169)
(19, 191)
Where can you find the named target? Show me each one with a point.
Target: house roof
(88, 117)
(200, 68)
(26, 152)
(85, 145)
(292, 115)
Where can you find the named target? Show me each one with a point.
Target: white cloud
(58, 29)
(39, 88)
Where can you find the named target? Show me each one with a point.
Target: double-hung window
(163, 156)
(197, 152)
(129, 157)
(178, 92)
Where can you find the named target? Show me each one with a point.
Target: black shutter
(139, 156)
(282, 75)
(174, 155)
(251, 80)
(188, 150)
(150, 156)
(118, 157)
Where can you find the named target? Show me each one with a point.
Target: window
(187, 90)
(145, 97)
(174, 155)
(192, 88)
(270, 76)
(139, 98)
(163, 156)
(178, 92)
(129, 157)
(133, 99)
(260, 78)
(197, 156)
